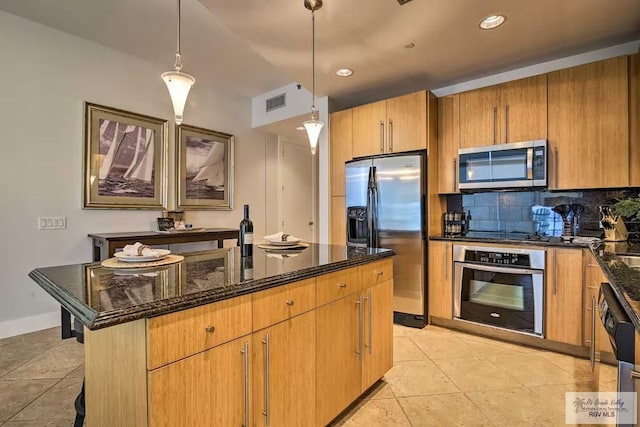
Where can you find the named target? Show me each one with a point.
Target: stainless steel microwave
(514, 165)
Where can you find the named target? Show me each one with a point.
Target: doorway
(298, 195)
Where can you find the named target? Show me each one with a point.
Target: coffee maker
(571, 216)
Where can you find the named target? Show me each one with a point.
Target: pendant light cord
(178, 66)
(313, 62)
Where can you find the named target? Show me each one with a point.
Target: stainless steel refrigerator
(386, 208)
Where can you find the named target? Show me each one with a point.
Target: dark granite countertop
(101, 297)
(510, 239)
(624, 280)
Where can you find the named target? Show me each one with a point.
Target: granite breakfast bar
(293, 340)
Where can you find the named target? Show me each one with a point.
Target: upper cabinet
(634, 120)
(340, 137)
(589, 126)
(448, 143)
(391, 126)
(510, 112)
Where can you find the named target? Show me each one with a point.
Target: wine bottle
(246, 234)
(246, 268)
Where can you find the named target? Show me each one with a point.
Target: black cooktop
(523, 236)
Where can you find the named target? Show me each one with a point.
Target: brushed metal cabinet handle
(506, 131)
(555, 273)
(370, 338)
(390, 136)
(556, 166)
(381, 136)
(495, 119)
(245, 356)
(455, 174)
(267, 398)
(360, 325)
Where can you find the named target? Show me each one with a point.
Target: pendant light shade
(178, 83)
(313, 126)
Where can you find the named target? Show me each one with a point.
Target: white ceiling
(256, 46)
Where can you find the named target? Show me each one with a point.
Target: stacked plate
(160, 254)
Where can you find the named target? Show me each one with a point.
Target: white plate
(281, 243)
(162, 253)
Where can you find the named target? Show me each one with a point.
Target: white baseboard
(25, 325)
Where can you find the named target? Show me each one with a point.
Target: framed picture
(204, 169)
(125, 156)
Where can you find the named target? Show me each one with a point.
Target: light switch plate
(52, 222)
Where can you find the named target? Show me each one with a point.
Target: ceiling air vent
(403, 2)
(276, 102)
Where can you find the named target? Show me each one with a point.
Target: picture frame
(204, 168)
(125, 159)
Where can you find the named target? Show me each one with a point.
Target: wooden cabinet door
(479, 117)
(369, 129)
(284, 373)
(440, 279)
(341, 136)
(589, 125)
(593, 277)
(563, 290)
(338, 221)
(634, 117)
(407, 123)
(524, 108)
(206, 389)
(378, 333)
(338, 362)
(448, 143)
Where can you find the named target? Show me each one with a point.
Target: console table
(105, 244)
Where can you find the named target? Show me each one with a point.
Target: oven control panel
(504, 258)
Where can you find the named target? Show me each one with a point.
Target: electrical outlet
(52, 222)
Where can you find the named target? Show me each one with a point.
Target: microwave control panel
(539, 162)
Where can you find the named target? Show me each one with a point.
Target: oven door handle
(497, 269)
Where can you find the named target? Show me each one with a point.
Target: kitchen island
(277, 339)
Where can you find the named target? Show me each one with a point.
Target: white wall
(46, 76)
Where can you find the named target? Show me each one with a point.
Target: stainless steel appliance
(385, 199)
(499, 287)
(518, 164)
(621, 333)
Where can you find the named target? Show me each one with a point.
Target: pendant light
(313, 126)
(178, 83)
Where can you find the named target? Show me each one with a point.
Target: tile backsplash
(529, 211)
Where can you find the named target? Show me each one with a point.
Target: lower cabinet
(440, 279)
(207, 389)
(563, 296)
(284, 373)
(377, 357)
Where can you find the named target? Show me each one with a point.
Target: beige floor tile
(443, 410)
(401, 331)
(405, 349)
(380, 390)
(57, 362)
(77, 373)
(56, 404)
(51, 336)
(476, 374)
(442, 346)
(418, 378)
(16, 394)
(373, 413)
(533, 370)
(486, 347)
(39, 423)
(16, 352)
(515, 407)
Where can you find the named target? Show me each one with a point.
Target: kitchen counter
(510, 239)
(624, 280)
(100, 297)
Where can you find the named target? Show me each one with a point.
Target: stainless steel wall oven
(500, 287)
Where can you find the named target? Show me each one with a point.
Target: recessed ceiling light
(492, 21)
(409, 45)
(344, 72)
(300, 128)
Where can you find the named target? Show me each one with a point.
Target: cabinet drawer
(333, 286)
(181, 334)
(374, 273)
(281, 303)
